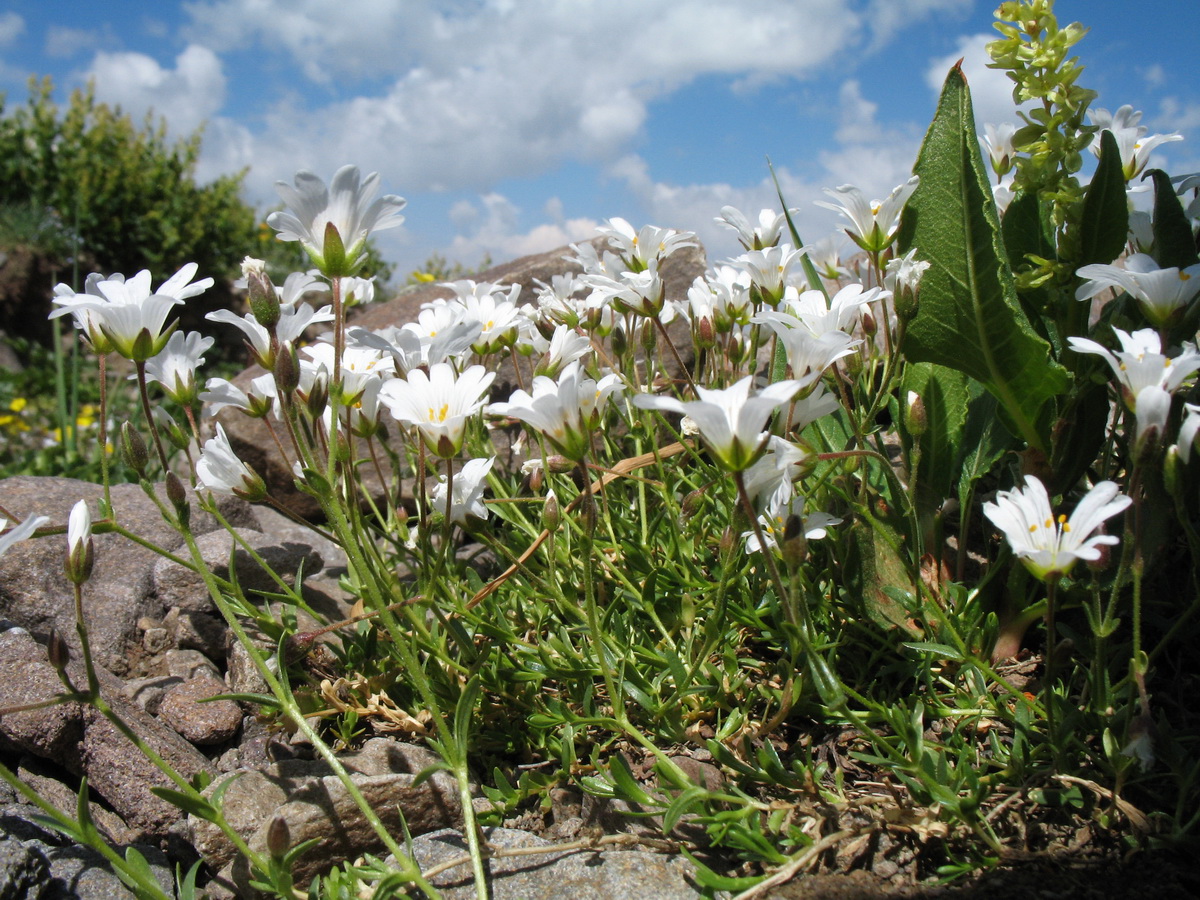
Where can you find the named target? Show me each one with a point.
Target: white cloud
(461, 95)
(1177, 115)
(186, 95)
(12, 26)
(493, 231)
(63, 42)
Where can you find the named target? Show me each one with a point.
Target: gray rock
(187, 709)
(84, 742)
(241, 675)
(188, 664)
(148, 692)
(80, 873)
(23, 871)
(579, 874)
(205, 632)
(35, 594)
(316, 804)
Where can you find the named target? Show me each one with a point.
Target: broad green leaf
(1174, 244)
(945, 394)
(970, 318)
(1104, 225)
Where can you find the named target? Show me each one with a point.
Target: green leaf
(199, 808)
(945, 394)
(970, 318)
(627, 787)
(1104, 224)
(942, 651)
(1174, 244)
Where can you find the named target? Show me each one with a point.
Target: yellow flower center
(440, 415)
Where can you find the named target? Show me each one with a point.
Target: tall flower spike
(1050, 547)
(333, 224)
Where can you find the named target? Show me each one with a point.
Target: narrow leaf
(970, 318)
(1104, 225)
(1174, 244)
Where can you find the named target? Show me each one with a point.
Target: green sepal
(1104, 224)
(1174, 243)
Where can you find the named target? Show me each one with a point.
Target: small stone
(203, 724)
(189, 664)
(148, 692)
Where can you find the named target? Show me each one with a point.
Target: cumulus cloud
(63, 42)
(186, 95)
(491, 229)
(12, 26)
(458, 96)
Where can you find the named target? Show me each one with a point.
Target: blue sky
(515, 126)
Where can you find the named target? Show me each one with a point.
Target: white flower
(1134, 146)
(997, 142)
(438, 404)
(467, 499)
(219, 393)
(565, 346)
(1141, 364)
(774, 523)
(294, 318)
(769, 269)
(808, 354)
(79, 544)
(1188, 430)
(1050, 547)
(220, 470)
(175, 367)
(1162, 294)
(765, 234)
(19, 532)
(639, 248)
(641, 293)
(347, 208)
(730, 420)
(839, 313)
(776, 470)
(873, 223)
(565, 411)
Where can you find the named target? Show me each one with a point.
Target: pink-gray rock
(189, 711)
(609, 874)
(84, 742)
(35, 594)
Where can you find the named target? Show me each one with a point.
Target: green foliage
(125, 196)
(437, 269)
(970, 318)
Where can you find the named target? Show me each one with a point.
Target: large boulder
(35, 594)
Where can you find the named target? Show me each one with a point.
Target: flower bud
(691, 503)
(286, 370)
(279, 837)
(177, 494)
(80, 553)
(916, 418)
(264, 301)
(133, 449)
(793, 546)
(551, 516)
(58, 652)
(619, 341)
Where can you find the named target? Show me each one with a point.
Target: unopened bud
(869, 325)
(691, 503)
(729, 541)
(916, 418)
(81, 556)
(133, 448)
(177, 494)
(551, 515)
(286, 370)
(905, 302)
(264, 302)
(537, 477)
(706, 335)
(279, 837)
(1171, 469)
(318, 398)
(559, 464)
(793, 546)
(620, 341)
(57, 651)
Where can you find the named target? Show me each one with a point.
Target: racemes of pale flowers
(1048, 546)
(565, 410)
(1146, 378)
(754, 237)
(873, 223)
(333, 223)
(730, 420)
(175, 367)
(638, 248)
(438, 404)
(19, 532)
(465, 498)
(220, 470)
(1162, 295)
(129, 315)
